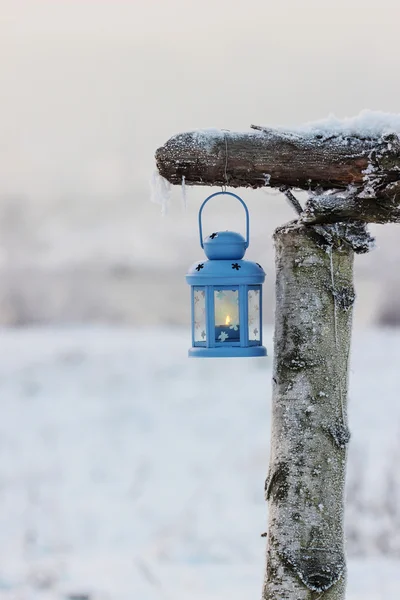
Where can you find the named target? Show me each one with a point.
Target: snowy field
(128, 472)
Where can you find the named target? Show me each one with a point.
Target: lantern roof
(225, 272)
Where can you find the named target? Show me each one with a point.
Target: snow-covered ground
(129, 472)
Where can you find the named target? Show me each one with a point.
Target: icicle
(160, 191)
(184, 195)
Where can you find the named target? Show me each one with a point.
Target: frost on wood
(243, 159)
(353, 233)
(305, 485)
(376, 200)
(350, 167)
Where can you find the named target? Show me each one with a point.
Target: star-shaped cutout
(236, 266)
(199, 267)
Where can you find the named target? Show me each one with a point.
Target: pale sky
(89, 88)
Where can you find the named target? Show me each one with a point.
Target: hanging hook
(226, 161)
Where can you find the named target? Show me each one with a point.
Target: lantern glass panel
(199, 315)
(254, 298)
(226, 309)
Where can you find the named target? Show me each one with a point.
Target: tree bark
(331, 208)
(305, 485)
(275, 158)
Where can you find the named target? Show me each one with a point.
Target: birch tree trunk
(305, 485)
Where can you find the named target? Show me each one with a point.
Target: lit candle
(227, 332)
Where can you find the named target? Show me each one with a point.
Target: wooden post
(352, 180)
(305, 485)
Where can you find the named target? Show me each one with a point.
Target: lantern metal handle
(225, 194)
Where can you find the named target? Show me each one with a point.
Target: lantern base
(227, 352)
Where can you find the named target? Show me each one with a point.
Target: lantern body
(226, 295)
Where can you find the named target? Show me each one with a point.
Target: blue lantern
(226, 294)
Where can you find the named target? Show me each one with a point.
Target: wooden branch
(258, 158)
(370, 167)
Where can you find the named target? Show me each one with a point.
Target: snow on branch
(350, 167)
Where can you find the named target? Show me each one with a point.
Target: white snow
(129, 471)
(368, 123)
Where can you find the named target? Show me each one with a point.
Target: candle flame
(228, 320)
